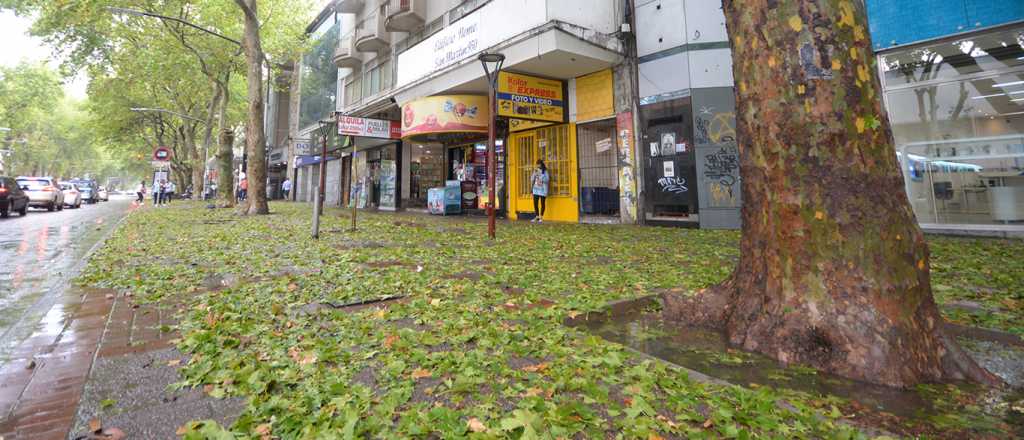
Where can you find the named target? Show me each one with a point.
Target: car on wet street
(42, 192)
(12, 198)
(72, 196)
(103, 195)
(89, 190)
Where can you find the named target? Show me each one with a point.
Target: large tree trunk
(255, 138)
(833, 269)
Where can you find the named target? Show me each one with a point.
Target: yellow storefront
(536, 108)
(555, 144)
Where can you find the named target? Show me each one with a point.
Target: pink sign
(365, 127)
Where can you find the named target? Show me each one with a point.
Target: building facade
(953, 84)
(630, 104)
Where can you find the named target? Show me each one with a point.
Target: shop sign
(530, 97)
(303, 147)
(445, 114)
(454, 43)
(595, 96)
(603, 145)
(366, 127)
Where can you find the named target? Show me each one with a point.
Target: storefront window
(426, 170)
(319, 83)
(957, 114)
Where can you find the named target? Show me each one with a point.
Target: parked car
(72, 196)
(42, 192)
(103, 196)
(89, 190)
(12, 198)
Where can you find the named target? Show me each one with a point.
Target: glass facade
(957, 114)
(319, 83)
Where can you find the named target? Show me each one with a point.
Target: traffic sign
(162, 154)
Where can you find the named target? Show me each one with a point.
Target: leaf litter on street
(453, 359)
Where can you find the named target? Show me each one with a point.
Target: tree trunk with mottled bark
(255, 138)
(833, 269)
(226, 180)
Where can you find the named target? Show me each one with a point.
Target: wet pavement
(49, 331)
(39, 255)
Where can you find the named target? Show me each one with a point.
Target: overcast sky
(18, 46)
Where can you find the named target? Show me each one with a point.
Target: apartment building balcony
(371, 35)
(349, 6)
(346, 55)
(405, 15)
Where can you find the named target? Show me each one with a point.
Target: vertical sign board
(530, 97)
(627, 174)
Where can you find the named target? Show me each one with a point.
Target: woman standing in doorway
(540, 179)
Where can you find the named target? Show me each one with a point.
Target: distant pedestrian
(171, 189)
(540, 179)
(141, 191)
(158, 192)
(286, 188)
(243, 189)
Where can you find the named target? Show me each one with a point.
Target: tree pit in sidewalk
(941, 410)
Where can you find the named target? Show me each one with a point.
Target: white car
(72, 196)
(103, 195)
(42, 192)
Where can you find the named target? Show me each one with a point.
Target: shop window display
(957, 114)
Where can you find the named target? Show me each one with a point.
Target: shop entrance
(554, 145)
(599, 178)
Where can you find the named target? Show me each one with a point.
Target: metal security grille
(553, 146)
(525, 152)
(597, 168)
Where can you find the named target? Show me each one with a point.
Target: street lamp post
(492, 65)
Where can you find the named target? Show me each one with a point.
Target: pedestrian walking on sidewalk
(286, 188)
(141, 191)
(243, 189)
(540, 179)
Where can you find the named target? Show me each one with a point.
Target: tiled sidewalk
(41, 386)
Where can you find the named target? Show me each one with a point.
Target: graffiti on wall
(720, 170)
(674, 185)
(715, 128)
(627, 177)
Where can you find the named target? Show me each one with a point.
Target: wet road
(39, 256)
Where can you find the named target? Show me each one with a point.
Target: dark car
(89, 189)
(12, 198)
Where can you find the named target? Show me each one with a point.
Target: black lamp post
(492, 65)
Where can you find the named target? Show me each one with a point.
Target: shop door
(556, 146)
(670, 172)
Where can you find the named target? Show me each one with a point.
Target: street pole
(352, 182)
(323, 176)
(492, 78)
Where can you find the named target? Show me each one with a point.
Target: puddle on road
(708, 352)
